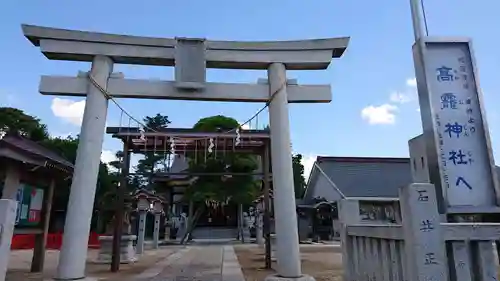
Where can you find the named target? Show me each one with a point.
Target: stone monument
(143, 207)
(7, 222)
(127, 251)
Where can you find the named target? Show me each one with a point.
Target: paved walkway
(203, 263)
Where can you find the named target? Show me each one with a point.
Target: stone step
(214, 233)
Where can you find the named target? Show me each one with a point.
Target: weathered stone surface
(127, 251)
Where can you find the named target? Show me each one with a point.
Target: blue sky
(374, 107)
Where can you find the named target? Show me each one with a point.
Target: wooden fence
(416, 244)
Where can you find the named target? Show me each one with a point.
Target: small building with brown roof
(28, 174)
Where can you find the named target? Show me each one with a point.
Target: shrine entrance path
(201, 263)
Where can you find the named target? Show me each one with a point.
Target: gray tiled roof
(179, 165)
(35, 149)
(367, 177)
(362, 176)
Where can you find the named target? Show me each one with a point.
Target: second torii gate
(190, 57)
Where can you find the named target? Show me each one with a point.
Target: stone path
(203, 263)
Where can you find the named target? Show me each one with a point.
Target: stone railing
(418, 246)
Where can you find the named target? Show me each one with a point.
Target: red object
(54, 241)
(34, 216)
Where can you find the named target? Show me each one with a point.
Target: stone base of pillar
(276, 277)
(273, 246)
(167, 233)
(127, 251)
(246, 236)
(150, 245)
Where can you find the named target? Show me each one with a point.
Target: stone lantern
(127, 252)
(143, 206)
(158, 211)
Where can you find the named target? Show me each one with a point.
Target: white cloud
(108, 156)
(308, 162)
(383, 114)
(406, 96)
(245, 127)
(411, 82)
(386, 113)
(400, 97)
(68, 110)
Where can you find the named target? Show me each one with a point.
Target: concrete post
(267, 205)
(168, 224)
(7, 221)
(245, 228)
(259, 234)
(81, 199)
(240, 223)
(11, 183)
(156, 231)
(288, 254)
(425, 249)
(142, 230)
(348, 214)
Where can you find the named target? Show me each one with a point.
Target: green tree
(148, 166)
(65, 147)
(212, 191)
(106, 182)
(107, 195)
(298, 173)
(299, 181)
(217, 188)
(13, 120)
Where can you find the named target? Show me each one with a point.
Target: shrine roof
(148, 194)
(34, 153)
(359, 177)
(179, 166)
(189, 140)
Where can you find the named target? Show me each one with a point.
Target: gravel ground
(323, 263)
(20, 260)
(199, 263)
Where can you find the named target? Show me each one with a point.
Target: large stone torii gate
(190, 57)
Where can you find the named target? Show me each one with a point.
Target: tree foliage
(13, 120)
(298, 176)
(221, 189)
(65, 147)
(148, 166)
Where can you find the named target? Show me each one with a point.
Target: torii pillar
(287, 246)
(190, 57)
(73, 253)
